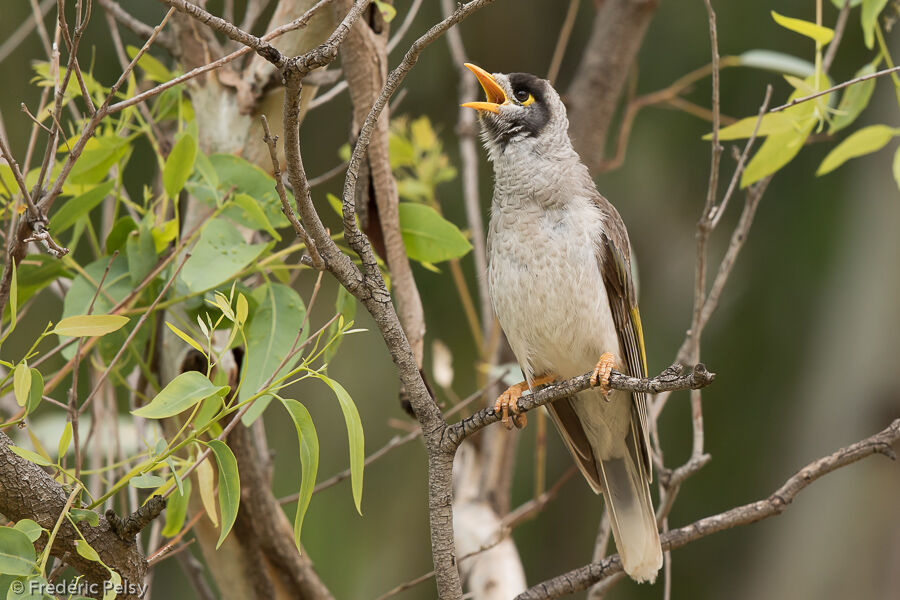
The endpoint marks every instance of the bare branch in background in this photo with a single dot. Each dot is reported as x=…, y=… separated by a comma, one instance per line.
x=775, y=504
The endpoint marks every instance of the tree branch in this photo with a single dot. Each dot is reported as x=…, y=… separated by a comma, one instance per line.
x=671, y=379
x=775, y=504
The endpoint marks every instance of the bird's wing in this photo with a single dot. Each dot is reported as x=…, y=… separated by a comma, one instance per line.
x=615, y=266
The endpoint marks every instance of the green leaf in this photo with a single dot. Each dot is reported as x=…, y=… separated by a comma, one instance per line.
x=782, y=146
x=859, y=143
x=99, y=155
x=22, y=383
x=36, y=394
x=855, y=99
x=355, y=434
x=388, y=12
x=840, y=3
x=147, y=481
x=64, y=440
x=183, y=392
x=90, y=325
x=220, y=254
x=114, y=583
x=176, y=510
x=778, y=62
x=153, y=68
x=771, y=123
x=30, y=456
x=194, y=344
x=429, y=237
x=29, y=528
x=344, y=305
x=309, y=459
x=869, y=19
x=253, y=216
x=270, y=335
x=244, y=177
x=82, y=514
x=75, y=208
x=229, y=487
x=179, y=484
x=118, y=235
x=16, y=552
x=140, y=251
x=820, y=34
x=13, y=296
x=85, y=551
x=207, y=485
x=179, y=164
x=896, y=166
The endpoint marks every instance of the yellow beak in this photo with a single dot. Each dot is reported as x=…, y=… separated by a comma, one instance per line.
x=495, y=94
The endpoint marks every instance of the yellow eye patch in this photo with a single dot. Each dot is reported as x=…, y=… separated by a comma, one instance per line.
x=528, y=100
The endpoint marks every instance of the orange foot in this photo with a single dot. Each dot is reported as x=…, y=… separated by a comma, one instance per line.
x=600, y=376
x=508, y=401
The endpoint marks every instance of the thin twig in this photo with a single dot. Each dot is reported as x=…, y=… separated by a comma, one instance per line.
x=775, y=504
x=837, y=87
x=562, y=41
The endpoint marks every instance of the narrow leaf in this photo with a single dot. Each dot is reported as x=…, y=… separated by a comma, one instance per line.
x=37, y=391
x=180, y=394
x=31, y=456
x=777, y=61
x=771, y=123
x=229, y=487
x=855, y=98
x=896, y=166
x=309, y=459
x=869, y=19
x=176, y=510
x=85, y=551
x=254, y=215
x=147, y=481
x=22, y=383
x=90, y=325
x=355, y=434
x=13, y=297
x=64, y=440
x=179, y=165
x=859, y=143
x=820, y=34
x=77, y=207
x=207, y=484
x=194, y=344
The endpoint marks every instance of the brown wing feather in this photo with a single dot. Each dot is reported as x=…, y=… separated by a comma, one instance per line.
x=569, y=426
x=615, y=266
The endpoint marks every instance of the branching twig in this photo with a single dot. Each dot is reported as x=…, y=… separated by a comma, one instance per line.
x=775, y=504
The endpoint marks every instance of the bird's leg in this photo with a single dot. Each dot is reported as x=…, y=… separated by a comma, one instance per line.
x=600, y=376
x=509, y=401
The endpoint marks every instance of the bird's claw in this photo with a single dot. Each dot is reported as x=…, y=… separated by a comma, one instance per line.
x=508, y=402
x=600, y=376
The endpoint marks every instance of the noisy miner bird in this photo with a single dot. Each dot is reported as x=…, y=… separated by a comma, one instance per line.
x=560, y=281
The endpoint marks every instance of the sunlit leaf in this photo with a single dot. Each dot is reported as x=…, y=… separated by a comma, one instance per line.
x=229, y=487
x=356, y=438
x=309, y=459
x=22, y=383
x=859, y=143
x=196, y=345
x=86, y=551
x=153, y=68
x=183, y=392
x=820, y=34
x=429, y=237
x=770, y=123
x=207, y=483
x=64, y=440
x=90, y=325
x=31, y=457
x=869, y=19
x=239, y=176
x=253, y=215
x=388, y=12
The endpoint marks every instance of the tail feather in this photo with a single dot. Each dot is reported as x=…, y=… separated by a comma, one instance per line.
x=627, y=492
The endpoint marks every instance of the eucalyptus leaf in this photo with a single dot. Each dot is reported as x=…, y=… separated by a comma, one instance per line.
x=356, y=438
x=820, y=34
x=176, y=510
x=309, y=459
x=429, y=237
x=73, y=209
x=29, y=528
x=854, y=99
x=179, y=164
x=16, y=552
x=869, y=19
x=183, y=392
x=220, y=254
x=229, y=487
x=147, y=481
x=859, y=143
x=90, y=325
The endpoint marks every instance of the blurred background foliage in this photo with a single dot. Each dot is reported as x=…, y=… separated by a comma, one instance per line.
x=804, y=342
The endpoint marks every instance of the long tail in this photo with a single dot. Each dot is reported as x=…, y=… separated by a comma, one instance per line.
x=627, y=491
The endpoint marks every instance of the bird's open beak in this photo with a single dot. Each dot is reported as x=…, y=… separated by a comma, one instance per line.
x=495, y=94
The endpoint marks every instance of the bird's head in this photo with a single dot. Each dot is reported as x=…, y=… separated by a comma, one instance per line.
x=520, y=109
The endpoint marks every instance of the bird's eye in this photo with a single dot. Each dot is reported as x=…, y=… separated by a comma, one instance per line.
x=524, y=97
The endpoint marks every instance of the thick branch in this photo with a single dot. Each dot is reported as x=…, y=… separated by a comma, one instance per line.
x=671, y=379
x=28, y=492
x=775, y=504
